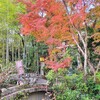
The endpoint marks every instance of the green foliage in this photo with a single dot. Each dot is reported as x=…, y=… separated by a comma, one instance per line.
x=98, y=77
x=34, y=50
x=50, y=75
x=73, y=86
x=90, y=30
x=9, y=12
x=21, y=96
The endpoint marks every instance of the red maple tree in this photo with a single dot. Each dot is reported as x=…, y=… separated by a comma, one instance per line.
x=56, y=21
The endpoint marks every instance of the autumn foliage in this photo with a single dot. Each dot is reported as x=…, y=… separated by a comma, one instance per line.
x=57, y=21
x=47, y=21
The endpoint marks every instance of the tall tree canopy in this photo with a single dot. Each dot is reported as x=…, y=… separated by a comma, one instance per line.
x=56, y=21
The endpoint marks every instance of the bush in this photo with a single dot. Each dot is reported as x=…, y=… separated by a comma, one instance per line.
x=72, y=86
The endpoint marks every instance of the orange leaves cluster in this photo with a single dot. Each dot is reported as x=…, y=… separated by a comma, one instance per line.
x=96, y=38
x=49, y=22
x=45, y=18
x=56, y=65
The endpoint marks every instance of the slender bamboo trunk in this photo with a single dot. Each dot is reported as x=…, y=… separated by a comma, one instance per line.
x=12, y=53
x=24, y=50
x=19, y=52
x=3, y=52
x=7, y=49
x=15, y=54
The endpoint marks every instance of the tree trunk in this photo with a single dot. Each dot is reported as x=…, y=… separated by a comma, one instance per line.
x=85, y=61
x=3, y=52
x=12, y=53
x=7, y=49
x=79, y=62
x=24, y=48
x=91, y=66
x=15, y=51
x=19, y=52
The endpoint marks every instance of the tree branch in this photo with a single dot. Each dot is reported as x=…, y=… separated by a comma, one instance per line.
x=98, y=66
x=94, y=23
x=91, y=67
x=65, y=5
x=81, y=38
x=77, y=44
